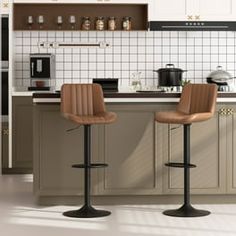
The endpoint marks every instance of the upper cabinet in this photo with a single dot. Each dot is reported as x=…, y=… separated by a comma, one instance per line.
x=4, y=7
x=170, y=10
x=216, y=10
x=85, y=1
x=193, y=10
x=27, y=14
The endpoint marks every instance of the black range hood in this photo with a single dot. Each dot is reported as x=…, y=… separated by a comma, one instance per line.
x=192, y=25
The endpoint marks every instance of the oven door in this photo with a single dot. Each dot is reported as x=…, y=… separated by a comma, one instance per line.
x=4, y=42
x=4, y=98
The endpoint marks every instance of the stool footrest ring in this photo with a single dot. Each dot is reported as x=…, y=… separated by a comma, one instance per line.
x=180, y=165
x=95, y=165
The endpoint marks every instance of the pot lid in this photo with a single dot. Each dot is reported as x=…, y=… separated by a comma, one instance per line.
x=219, y=75
x=169, y=68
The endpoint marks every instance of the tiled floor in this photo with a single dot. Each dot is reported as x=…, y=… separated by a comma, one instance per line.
x=20, y=216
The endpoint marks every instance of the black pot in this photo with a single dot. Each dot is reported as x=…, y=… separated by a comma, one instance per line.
x=170, y=76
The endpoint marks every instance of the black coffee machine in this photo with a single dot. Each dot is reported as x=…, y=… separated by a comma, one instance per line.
x=42, y=72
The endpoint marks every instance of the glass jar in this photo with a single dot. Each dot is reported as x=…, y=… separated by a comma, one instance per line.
x=86, y=23
x=100, y=23
x=136, y=81
x=111, y=23
x=126, y=23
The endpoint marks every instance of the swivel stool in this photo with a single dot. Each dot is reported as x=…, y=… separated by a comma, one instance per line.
x=197, y=103
x=84, y=105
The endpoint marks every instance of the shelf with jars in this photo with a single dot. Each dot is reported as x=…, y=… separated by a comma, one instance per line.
x=81, y=17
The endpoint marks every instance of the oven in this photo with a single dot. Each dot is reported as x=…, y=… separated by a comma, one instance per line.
x=4, y=98
x=4, y=64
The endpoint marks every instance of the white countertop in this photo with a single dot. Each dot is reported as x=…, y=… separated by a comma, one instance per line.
x=132, y=100
x=113, y=100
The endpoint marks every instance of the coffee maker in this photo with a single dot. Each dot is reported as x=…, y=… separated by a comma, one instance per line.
x=42, y=72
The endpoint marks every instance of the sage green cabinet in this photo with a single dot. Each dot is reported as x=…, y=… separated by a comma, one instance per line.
x=56, y=150
x=230, y=113
x=135, y=148
x=22, y=132
x=208, y=152
x=128, y=146
x=5, y=141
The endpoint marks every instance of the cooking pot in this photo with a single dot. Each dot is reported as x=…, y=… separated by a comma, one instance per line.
x=220, y=77
x=170, y=76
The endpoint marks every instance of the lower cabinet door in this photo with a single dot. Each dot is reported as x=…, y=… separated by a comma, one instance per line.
x=128, y=146
x=231, y=150
x=56, y=150
x=5, y=137
x=208, y=152
x=22, y=136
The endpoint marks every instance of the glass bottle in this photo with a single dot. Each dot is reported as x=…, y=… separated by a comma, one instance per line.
x=126, y=23
x=100, y=23
x=111, y=23
x=86, y=23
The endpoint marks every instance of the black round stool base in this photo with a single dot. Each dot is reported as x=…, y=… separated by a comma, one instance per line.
x=86, y=212
x=186, y=211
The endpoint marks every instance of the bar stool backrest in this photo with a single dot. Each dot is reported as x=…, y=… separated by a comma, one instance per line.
x=198, y=98
x=82, y=99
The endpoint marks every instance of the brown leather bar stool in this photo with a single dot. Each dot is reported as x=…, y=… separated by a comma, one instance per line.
x=197, y=103
x=84, y=105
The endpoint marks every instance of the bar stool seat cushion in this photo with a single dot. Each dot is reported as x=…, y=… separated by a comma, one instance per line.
x=176, y=117
x=102, y=118
x=197, y=103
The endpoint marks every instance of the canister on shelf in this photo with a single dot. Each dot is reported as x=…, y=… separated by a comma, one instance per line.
x=100, y=23
x=86, y=23
x=126, y=23
x=111, y=23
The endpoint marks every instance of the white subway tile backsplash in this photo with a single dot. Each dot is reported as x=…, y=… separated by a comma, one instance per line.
x=19, y=41
x=230, y=58
x=222, y=34
x=222, y=50
x=109, y=66
x=125, y=50
x=68, y=74
x=26, y=74
x=100, y=74
x=149, y=58
x=67, y=58
x=59, y=74
x=68, y=66
x=183, y=50
x=214, y=41
x=231, y=66
x=92, y=74
x=174, y=41
x=59, y=66
x=214, y=49
x=206, y=58
x=198, y=58
x=190, y=58
x=125, y=58
x=109, y=74
x=198, y=52
x=26, y=82
x=60, y=58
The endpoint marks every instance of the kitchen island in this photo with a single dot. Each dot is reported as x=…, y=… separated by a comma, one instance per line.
x=135, y=148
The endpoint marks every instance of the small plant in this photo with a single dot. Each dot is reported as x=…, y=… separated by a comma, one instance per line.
x=184, y=82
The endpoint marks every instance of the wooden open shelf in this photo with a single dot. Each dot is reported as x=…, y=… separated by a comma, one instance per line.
x=137, y=12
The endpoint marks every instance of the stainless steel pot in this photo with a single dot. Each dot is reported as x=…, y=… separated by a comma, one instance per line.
x=219, y=77
x=169, y=76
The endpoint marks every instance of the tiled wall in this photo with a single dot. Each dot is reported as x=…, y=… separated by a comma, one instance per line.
x=197, y=52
